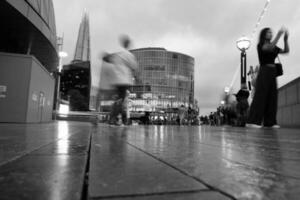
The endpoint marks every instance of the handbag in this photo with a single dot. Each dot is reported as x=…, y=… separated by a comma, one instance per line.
x=279, y=69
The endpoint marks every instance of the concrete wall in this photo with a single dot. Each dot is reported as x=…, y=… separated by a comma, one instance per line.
x=42, y=86
x=14, y=74
x=289, y=104
x=26, y=79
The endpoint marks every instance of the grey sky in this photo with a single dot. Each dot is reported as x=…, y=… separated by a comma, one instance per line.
x=204, y=29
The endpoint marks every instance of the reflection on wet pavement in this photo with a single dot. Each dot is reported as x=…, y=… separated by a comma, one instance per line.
x=43, y=161
x=248, y=164
x=52, y=161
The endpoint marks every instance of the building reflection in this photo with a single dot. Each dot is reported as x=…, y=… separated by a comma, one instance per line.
x=63, y=143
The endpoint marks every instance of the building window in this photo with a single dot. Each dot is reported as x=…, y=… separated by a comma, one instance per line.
x=155, y=68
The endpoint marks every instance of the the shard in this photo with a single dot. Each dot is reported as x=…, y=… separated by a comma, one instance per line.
x=76, y=77
x=82, y=51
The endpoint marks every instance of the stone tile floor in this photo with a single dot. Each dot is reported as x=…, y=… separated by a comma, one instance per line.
x=73, y=160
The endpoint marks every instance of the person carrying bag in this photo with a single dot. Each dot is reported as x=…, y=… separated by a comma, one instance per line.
x=263, y=109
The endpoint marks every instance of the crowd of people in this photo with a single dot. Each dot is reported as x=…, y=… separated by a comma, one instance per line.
x=179, y=116
x=223, y=116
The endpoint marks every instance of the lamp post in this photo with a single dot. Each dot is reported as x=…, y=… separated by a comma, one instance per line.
x=243, y=44
x=226, y=95
x=227, y=90
x=223, y=103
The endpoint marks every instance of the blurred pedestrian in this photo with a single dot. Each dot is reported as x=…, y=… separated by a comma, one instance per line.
x=264, y=106
x=148, y=110
x=127, y=105
x=124, y=64
x=181, y=114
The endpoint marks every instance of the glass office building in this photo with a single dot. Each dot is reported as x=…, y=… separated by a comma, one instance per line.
x=164, y=78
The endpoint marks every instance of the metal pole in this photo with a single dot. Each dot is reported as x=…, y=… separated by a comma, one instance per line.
x=58, y=91
x=60, y=42
x=243, y=70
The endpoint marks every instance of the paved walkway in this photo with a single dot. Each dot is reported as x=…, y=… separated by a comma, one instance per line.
x=72, y=160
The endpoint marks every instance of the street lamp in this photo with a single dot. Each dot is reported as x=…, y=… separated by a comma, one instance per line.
x=227, y=90
x=243, y=44
x=61, y=55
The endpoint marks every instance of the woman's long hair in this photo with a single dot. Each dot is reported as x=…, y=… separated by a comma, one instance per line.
x=262, y=37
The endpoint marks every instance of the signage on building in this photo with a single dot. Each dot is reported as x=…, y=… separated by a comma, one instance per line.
x=147, y=96
x=132, y=95
x=34, y=97
x=3, y=90
x=106, y=103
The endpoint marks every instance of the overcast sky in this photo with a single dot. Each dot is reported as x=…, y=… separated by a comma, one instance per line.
x=204, y=29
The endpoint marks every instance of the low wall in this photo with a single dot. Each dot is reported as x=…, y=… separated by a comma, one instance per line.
x=26, y=90
x=289, y=104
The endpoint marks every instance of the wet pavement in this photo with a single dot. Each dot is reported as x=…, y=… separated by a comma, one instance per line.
x=43, y=161
x=73, y=160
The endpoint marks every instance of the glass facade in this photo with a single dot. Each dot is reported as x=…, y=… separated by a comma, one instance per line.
x=164, y=78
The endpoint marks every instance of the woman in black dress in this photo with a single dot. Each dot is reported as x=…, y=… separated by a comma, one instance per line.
x=263, y=109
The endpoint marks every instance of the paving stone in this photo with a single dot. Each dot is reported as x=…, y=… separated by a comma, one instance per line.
x=43, y=177
x=233, y=160
x=65, y=147
x=19, y=139
x=119, y=169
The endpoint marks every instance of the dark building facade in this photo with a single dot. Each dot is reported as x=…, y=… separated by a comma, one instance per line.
x=75, y=86
x=28, y=27
x=28, y=56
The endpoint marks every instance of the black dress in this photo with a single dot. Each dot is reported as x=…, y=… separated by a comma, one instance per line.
x=263, y=109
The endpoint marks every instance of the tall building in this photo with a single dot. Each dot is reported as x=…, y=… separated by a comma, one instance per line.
x=76, y=77
x=28, y=55
x=164, y=78
x=82, y=50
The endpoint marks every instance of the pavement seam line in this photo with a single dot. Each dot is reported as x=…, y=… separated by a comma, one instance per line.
x=153, y=194
x=25, y=154
x=33, y=150
x=85, y=186
x=184, y=172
